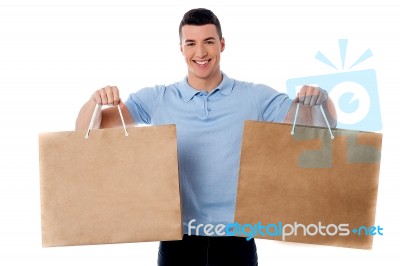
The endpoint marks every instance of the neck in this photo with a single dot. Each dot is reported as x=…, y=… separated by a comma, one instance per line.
x=208, y=84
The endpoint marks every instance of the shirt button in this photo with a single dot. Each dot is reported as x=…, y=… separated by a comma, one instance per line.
x=203, y=93
x=209, y=109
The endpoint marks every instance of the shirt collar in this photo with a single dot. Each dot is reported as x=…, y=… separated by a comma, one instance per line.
x=187, y=92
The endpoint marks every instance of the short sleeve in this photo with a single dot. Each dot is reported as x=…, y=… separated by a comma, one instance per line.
x=273, y=105
x=141, y=104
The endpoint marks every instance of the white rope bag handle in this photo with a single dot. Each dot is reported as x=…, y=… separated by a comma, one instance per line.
x=94, y=117
x=323, y=114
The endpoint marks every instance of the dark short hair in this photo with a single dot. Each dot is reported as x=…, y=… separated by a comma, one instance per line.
x=200, y=17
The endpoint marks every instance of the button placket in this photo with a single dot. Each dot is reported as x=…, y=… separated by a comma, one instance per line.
x=206, y=102
x=204, y=97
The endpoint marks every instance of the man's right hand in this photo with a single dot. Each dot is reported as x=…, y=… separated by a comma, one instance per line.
x=108, y=117
x=108, y=95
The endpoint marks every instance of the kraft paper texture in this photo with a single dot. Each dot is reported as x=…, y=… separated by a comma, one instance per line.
x=309, y=178
x=109, y=188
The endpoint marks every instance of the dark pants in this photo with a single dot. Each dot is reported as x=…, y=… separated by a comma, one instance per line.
x=208, y=251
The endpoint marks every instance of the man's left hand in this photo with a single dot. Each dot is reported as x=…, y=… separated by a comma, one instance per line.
x=311, y=96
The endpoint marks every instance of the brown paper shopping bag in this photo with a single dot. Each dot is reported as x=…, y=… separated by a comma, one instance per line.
x=108, y=187
x=308, y=187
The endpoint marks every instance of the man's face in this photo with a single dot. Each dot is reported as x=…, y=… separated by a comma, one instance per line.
x=201, y=47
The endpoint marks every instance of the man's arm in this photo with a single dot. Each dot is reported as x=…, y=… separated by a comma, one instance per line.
x=310, y=98
x=106, y=118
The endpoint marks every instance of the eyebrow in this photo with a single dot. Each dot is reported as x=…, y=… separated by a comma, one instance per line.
x=207, y=39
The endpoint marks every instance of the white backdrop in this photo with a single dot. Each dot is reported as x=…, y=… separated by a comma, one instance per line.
x=54, y=54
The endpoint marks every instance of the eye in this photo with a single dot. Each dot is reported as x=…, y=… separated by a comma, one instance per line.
x=190, y=44
x=209, y=42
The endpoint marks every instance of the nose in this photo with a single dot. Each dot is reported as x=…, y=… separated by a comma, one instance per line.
x=201, y=51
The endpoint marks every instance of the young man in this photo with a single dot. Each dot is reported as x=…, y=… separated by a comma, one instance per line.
x=208, y=109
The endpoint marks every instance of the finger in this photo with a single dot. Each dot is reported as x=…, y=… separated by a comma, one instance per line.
x=301, y=95
x=103, y=96
x=319, y=100
x=96, y=97
x=311, y=95
x=304, y=94
x=313, y=99
x=307, y=100
x=322, y=97
x=115, y=94
x=109, y=97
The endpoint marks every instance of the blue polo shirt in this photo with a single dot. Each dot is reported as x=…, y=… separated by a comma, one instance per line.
x=209, y=136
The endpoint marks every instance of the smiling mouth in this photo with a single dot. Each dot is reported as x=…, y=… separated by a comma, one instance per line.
x=202, y=62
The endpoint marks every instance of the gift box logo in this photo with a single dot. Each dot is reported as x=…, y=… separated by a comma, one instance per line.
x=354, y=93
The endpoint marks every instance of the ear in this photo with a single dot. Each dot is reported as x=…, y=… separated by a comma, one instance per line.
x=181, y=47
x=222, y=44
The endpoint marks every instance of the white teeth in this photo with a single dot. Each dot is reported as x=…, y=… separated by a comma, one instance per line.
x=201, y=62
